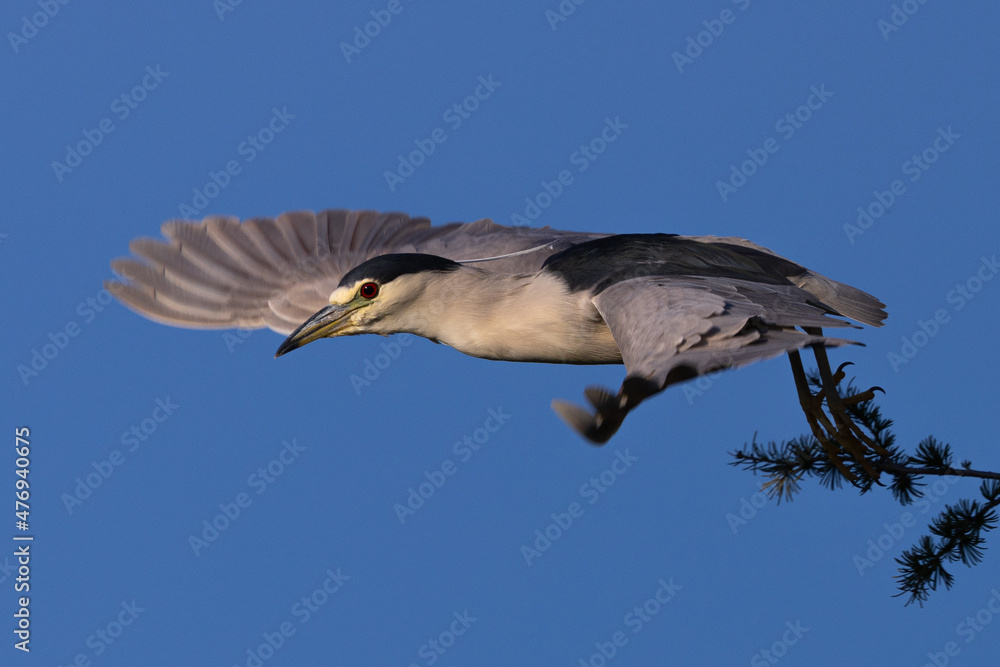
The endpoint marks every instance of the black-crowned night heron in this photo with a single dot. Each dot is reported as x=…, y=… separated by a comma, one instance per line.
x=669, y=307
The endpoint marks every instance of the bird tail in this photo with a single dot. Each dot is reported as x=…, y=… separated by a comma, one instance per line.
x=843, y=299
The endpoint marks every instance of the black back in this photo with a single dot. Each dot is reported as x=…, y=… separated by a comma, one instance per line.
x=595, y=265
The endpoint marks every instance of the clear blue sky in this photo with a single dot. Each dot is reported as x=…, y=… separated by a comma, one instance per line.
x=838, y=112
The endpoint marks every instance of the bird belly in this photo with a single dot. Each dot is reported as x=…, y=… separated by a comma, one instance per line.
x=590, y=343
x=523, y=318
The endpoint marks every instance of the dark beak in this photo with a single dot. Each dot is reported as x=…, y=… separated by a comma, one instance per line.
x=328, y=322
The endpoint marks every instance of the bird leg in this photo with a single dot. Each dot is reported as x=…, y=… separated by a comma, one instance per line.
x=838, y=404
x=842, y=433
x=812, y=407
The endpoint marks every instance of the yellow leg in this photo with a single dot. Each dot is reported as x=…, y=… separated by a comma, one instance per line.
x=840, y=434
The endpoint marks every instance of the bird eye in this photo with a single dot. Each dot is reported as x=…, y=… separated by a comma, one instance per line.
x=369, y=290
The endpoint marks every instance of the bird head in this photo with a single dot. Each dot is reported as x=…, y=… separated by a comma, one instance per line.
x=378, y=296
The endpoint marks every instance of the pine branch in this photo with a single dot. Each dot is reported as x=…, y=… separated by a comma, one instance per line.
x=895, y=469
x=959, y=528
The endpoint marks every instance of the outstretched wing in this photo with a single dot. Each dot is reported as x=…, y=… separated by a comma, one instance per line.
x=671, y=329
x=276, y=272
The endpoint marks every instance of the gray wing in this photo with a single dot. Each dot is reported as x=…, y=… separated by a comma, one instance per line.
x=674, y=329
x=671, y=329
x=276, y=272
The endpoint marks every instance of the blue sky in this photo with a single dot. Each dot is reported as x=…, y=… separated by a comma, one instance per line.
x=806, y=112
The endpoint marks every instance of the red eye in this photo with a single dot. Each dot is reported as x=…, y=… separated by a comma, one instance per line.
x=369, y=290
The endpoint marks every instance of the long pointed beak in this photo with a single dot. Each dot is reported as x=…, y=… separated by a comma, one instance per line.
x=326, y=322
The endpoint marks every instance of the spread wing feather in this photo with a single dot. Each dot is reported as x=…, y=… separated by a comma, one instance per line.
x=275, y=272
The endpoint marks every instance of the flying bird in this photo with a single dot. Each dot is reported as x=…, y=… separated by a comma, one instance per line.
x=668, y=307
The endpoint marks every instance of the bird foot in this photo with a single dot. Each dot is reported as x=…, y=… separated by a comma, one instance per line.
x=838, y=432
